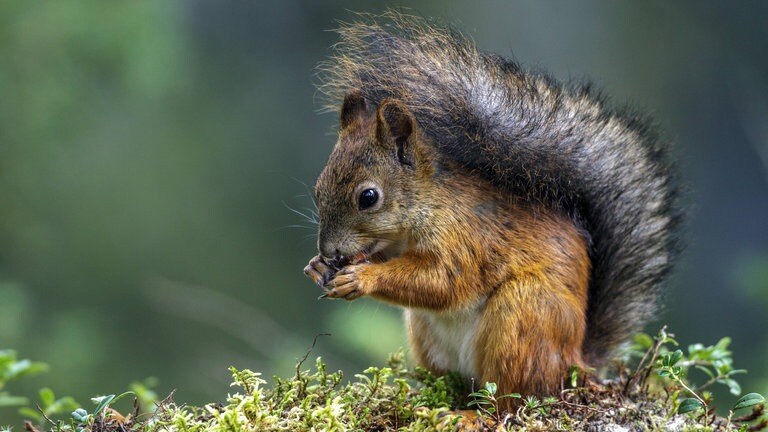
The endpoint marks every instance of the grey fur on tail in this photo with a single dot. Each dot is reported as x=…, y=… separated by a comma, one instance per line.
x=554, y=144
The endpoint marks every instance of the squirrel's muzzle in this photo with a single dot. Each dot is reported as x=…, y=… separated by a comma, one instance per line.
x=326, y=246
x=328, y=251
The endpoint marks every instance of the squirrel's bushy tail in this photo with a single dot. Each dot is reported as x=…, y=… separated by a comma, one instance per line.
x=552, y=144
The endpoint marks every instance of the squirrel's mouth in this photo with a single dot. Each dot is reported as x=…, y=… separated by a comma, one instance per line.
x=371, y=253
x=376, y=252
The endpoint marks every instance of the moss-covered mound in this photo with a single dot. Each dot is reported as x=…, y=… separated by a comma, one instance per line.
x=654, y=394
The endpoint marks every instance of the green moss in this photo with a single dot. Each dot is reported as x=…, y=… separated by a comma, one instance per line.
x=655, y=393
x=380, y=398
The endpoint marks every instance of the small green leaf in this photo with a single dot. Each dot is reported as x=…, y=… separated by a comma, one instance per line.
x=47, y=397
x=675, y=357
x=102, y=402
x=6, y=400
x=748, y=400
x=688, y=405
x=722, y=367
x=24, y=367
x=491, y=387
x=122, y=395
x=80, y=415
x=63, y=405
x=643, y=340
x=695, y=349
x=723, y=343
x=30, y=413
x=574, y=371
x=733, y=386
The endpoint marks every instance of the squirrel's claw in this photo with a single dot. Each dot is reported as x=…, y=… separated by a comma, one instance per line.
x=319, y=271
x=353, y=295
x=345, y=284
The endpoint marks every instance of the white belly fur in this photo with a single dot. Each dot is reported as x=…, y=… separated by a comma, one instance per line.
x=451, y=337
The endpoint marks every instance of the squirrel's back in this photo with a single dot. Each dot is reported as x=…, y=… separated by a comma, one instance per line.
x=535, y=138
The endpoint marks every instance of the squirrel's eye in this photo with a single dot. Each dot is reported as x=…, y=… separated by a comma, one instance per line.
x=368, y=198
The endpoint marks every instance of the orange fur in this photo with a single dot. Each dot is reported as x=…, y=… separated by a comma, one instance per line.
x=531, y=264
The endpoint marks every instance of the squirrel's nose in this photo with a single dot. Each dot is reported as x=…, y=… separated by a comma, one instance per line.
x=325, y=244
x=328, y=250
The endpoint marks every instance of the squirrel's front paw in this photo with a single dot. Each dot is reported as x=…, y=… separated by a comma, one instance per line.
x=346, y=284
x=319, y=271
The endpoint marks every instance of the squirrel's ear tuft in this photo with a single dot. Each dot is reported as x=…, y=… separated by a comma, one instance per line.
x=352, y=108
x=394, y=123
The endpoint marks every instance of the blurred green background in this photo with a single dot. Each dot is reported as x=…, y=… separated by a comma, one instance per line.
x=150, y=151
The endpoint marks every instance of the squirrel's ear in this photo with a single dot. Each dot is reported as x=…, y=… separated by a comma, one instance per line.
x=394, y=123
x=352, y=108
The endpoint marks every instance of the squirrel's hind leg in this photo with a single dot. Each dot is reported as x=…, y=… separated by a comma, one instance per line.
x=528, y=337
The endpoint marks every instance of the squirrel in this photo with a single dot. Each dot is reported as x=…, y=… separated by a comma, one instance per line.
x=524, y=226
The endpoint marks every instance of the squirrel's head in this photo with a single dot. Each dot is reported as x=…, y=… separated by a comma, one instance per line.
x=366, y=193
